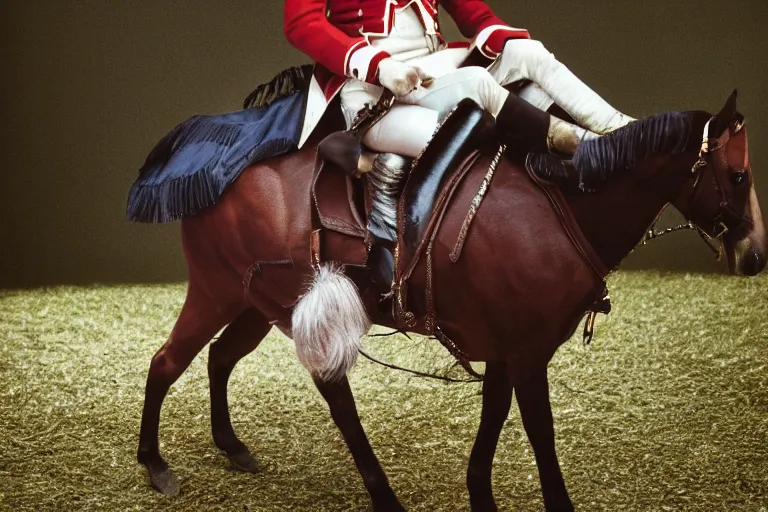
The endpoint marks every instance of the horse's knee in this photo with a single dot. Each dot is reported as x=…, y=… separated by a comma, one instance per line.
x=478, y=476
x=162, y=367
x=215, y=357
x=221, y=359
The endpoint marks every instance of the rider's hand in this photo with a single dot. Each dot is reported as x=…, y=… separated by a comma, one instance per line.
x=401, y=78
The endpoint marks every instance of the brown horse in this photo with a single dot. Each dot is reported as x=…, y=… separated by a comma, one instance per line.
x=514, y=294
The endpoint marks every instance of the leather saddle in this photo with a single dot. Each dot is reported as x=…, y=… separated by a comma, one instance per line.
x=342, y=227
x=342, y=205
x=345, y=232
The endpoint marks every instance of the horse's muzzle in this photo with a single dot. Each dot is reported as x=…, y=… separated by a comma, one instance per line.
x=746, y=256
x=751, y=263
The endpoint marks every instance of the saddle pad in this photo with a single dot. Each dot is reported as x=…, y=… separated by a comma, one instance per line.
x=190, y=168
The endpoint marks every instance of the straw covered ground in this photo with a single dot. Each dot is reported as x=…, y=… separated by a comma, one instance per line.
x=667, y=411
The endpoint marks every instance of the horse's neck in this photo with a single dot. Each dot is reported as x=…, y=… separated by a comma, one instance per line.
x=616, y=218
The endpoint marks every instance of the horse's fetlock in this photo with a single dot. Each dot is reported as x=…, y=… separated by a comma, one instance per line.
x=151, y=458
x=229, y=444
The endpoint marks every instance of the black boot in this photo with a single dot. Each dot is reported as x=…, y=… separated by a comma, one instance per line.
x=527, y=125
x=466, y=128
x=381, y=263
x=532, y=129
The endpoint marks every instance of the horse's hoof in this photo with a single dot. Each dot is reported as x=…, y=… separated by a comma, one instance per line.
x=164, y=481
x=243, y=461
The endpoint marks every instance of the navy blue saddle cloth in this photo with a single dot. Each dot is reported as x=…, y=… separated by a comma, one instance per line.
x=190, y=168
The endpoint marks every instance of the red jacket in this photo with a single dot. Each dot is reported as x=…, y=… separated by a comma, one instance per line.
x=337, y=33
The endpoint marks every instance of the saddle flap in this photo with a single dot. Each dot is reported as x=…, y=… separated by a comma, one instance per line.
x=344, y=235
x=334, y=196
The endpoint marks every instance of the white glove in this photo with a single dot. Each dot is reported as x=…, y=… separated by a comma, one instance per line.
x=401, y=78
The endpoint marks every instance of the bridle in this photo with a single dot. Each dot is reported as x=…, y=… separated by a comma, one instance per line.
x=727, y=218
x=712, y=151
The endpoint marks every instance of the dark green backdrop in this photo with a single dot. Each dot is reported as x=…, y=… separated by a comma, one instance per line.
x=89, y=87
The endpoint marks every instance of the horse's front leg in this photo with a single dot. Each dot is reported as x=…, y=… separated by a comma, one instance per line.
x=344, y=413
x=532, y=390
x=497, y=398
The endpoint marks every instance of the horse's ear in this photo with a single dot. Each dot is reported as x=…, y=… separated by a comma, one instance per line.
x=724, y=118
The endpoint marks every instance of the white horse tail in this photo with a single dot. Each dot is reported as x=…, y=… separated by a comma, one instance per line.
x=328, y=323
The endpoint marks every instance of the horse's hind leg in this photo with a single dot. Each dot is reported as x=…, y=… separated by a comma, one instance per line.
x=200, y=319
x=239, y=339
x=532, y=391
x=497, y=399
x=342, y=404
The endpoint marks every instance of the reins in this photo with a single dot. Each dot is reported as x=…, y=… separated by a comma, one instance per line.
x=652, y=234
x=418, y=373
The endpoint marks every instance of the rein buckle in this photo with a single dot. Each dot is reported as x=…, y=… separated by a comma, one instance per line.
x=701, y=162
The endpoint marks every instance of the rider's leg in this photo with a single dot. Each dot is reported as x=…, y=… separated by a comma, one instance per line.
x=536, y=96
x=441, y=62
x=405, y=130
x=516, y=117
x=449, y=60
x=529, y=59
x=562, y=135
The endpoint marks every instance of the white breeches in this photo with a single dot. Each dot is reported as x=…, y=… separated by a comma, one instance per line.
x=409, y=126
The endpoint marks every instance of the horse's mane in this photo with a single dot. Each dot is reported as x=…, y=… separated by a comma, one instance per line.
x=288, y=81
x=665, y=133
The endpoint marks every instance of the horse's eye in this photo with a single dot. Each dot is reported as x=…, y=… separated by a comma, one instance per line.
x=739, y=177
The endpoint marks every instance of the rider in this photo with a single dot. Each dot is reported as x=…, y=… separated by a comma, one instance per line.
x=364, y=46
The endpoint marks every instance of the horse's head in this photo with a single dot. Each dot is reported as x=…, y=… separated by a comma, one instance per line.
x=721, y=198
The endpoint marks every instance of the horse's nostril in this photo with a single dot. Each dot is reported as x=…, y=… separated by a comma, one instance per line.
x=752, y=263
